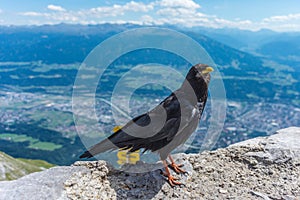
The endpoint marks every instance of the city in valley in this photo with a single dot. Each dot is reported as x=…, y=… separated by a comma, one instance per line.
x=22, y=112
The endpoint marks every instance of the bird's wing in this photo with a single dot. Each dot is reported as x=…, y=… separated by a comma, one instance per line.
x=180, y=115
x=150, y=126
x=119, y=139
x=150, y=138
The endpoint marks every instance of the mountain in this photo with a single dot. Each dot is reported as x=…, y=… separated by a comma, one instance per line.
x=282, y=47
x=61, y=43
x=65, y=43
x=70, y=44
x=237, y=38
x=14, y=168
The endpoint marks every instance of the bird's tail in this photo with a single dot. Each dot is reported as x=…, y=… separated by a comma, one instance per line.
x=103, y=146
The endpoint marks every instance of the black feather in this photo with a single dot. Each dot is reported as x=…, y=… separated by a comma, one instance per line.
x=86, y=154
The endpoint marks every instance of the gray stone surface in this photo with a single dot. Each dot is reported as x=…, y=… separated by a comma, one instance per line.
x=48, y=184
x=261, y=168
x=278, y=148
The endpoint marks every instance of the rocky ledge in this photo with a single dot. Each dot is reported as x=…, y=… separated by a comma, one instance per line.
x=260, y=168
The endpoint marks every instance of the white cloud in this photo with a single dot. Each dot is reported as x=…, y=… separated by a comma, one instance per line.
x=236, y=24
x=282, y=18
x=1, y=11
x=53, y=17
x=290, y=22
x=147, y=20
x=32, y=14
x=56, y=8
x=175, y=12
x=64, y=17
x=179, y=3
x=190, y=18
x=138, y=7
x=186, y=13
x=92, y=15
x=179, y=12
x=117, y=10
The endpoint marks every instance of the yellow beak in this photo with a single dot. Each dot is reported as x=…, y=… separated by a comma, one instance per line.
x=207, y=70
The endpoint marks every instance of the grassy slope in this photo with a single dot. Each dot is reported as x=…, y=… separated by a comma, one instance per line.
x=13, y=168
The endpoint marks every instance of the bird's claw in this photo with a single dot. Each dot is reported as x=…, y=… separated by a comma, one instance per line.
x=177, y=168
x=172, y=180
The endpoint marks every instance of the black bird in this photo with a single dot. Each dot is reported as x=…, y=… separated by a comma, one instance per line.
x=166, y=126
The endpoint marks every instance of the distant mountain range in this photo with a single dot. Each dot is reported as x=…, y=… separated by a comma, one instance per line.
x=65, y=44
x=284, y=47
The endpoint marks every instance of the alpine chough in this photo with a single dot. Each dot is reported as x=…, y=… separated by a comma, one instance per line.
x=166, y=126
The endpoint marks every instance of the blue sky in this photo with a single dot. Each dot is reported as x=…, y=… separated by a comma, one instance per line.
x=278, y=15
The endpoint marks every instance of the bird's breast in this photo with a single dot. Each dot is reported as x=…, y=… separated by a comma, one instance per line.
x=195, y=112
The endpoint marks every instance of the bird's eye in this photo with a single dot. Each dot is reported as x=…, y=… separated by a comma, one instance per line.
x=198, y=75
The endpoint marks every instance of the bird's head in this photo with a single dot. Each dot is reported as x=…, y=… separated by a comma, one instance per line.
x=199, y=72
x=198, y=78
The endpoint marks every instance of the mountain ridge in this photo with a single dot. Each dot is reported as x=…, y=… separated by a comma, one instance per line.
x=14, y=168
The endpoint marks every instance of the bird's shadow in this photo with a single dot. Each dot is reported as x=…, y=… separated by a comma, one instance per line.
x=139, y=181
x=143, y=180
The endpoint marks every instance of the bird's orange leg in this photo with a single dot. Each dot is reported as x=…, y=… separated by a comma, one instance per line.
x=171, y=179
x=177, y=168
